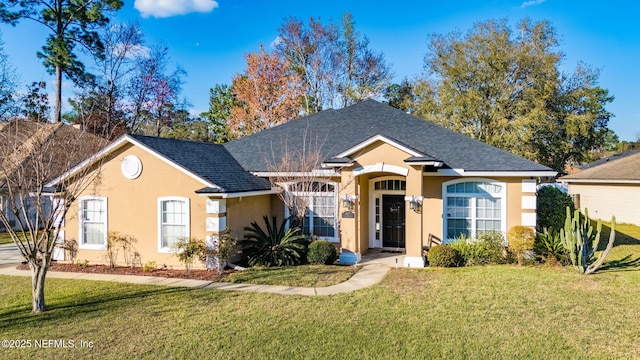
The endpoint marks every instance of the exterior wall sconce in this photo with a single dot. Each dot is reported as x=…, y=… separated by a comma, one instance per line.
x=415, y=203
x=348, y=202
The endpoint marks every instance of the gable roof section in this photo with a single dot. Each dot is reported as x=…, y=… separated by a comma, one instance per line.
x=338, y=132
x=208, y=163
x=608, y=159
x=622, y=170
x=23, y=141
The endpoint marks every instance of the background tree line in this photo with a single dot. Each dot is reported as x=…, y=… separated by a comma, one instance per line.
x=499, y=83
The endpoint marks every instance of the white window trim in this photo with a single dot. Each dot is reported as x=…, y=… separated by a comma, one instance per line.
x=445, y=195
x=81, y=244
x=336, y=237
x=168, y=249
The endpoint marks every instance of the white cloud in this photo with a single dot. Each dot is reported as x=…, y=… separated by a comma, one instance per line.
x=168, y=8
x=531, y=3
x=276, y=42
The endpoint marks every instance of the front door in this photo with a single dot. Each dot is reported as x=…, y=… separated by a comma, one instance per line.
x=393, y=216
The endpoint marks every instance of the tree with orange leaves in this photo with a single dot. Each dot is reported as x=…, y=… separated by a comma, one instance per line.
x=268, y=94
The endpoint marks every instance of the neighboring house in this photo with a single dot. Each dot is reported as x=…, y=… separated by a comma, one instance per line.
x=23, y=145
x=609, y=187
x=386, y=180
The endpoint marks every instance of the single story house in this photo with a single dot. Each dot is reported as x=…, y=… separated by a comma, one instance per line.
x=384, y=179
x=609, y=187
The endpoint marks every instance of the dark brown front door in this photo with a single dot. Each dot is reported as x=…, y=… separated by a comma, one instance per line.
x=393, y=216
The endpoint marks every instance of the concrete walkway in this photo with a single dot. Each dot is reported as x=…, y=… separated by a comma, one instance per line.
x=371, y=273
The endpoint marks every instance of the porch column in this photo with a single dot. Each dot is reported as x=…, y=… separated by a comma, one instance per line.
x=348, y=219
x=414, y=221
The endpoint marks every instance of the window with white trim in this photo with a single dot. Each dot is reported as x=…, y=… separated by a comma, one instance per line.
x=471, y=207
x=321, y=215
x=93, y=222
x=173, y=221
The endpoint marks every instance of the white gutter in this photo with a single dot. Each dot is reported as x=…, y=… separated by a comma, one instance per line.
x=600, y=181
x=242, y=194
x=463, y=173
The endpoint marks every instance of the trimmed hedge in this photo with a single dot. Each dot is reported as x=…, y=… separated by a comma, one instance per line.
x=444, y=256
x=322, y=252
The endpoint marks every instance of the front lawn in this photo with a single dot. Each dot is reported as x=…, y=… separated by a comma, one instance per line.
x=303, y=276
x=490, y=312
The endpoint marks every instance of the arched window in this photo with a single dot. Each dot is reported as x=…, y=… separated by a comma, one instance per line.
x=473, y=206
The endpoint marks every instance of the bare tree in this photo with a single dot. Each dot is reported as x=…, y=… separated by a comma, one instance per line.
x=31, y=156
x=9, y=81
x=297, y=169
x=102, y=107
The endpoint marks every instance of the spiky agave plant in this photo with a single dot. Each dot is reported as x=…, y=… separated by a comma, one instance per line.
x=273, y=246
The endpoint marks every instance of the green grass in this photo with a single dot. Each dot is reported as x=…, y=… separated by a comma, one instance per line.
x=304, y=276
x=5, y=238
x=491, y=312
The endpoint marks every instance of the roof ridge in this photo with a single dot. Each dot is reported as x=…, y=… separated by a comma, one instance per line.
x=174, y=139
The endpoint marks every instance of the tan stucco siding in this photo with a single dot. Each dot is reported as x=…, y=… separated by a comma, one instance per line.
x=241, y=212
x=132, y=205
x=381, y=152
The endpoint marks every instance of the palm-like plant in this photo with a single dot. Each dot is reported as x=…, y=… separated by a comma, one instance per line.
x=274, y=246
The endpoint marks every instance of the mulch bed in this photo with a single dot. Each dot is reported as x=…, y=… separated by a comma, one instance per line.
x=210, y=275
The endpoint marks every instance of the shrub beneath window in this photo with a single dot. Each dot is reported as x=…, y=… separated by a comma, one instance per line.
x=551, y=205
x=488, y=248
x=521, y=239
x=444, y=256
x=322, y=252
x=275, y=245
x=187, y=250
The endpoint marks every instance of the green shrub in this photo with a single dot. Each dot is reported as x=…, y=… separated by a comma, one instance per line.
x=275, y=246
x=488, y=248
x=521, y=240
x=149, y=266
x=444, y=256
x=322, y=252
x=189, y=249
x=225, y=249
x=551, y=205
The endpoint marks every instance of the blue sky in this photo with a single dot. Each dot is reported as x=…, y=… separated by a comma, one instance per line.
x=208, y=38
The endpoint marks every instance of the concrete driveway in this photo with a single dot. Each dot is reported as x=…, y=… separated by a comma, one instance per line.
x=9, y=254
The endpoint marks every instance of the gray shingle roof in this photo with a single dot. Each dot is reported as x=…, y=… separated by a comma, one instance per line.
x=335, y=131
x=210, y=162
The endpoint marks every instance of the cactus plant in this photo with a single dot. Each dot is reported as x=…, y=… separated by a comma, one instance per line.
x=581, y=242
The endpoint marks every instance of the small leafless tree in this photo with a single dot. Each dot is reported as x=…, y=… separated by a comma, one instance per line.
x=297, y=168
x=31, y=156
